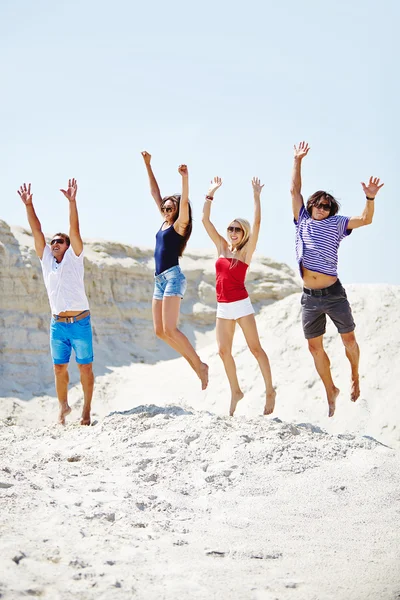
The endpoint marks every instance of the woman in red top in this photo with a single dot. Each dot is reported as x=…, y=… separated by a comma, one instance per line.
x=234, y=256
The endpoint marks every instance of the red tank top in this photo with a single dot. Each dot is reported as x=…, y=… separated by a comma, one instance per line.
x=230, y=280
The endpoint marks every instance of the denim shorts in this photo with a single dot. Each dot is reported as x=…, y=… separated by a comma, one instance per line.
x=65, y=336
x=171, y=282
x=334, y=304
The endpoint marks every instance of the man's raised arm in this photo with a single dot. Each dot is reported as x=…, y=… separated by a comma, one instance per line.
x=370, y=191
x=74, y=233
x=26, y=196
x=295, y=188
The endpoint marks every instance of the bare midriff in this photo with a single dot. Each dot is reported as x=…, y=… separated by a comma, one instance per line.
x=317, y=281
x=70, y=313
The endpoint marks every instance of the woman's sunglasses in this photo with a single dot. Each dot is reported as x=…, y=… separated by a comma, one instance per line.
x=235, y=229
x=168, y=209
x=57, y=241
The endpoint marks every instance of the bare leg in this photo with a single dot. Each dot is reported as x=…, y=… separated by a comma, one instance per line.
x=323, y=366
x=62, y=379
x=170, y=307
x=249, y=328
x=87, y=381
x=353, y=354
x=225, y=331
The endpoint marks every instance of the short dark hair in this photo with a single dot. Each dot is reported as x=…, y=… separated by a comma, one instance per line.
x=321, y=195
x=65, y=236
x=176, y=199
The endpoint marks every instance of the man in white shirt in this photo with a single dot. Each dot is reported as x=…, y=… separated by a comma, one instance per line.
x=63, y=272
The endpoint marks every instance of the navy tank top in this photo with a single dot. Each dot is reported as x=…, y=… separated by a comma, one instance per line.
x=168, y=247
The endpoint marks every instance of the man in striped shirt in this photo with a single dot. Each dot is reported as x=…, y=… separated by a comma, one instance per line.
x=319, y=231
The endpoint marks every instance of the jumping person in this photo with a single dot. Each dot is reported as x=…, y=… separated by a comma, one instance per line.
x=319, y=231
x=233, y=302
x=62, y=267
x=170, y=282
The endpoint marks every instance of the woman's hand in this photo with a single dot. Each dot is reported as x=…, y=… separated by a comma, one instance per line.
x=301, y=151
x=215, y=184
x=183, y=170
x=372, y=188
x=257, y=187
x=146, y=157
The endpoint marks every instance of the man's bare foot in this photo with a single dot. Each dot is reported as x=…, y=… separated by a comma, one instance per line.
x=270, y=403
x=234, y=402
x=332, y=401
x=85, y=419
x=65, y=409
x=355, y=389
x=203, y=375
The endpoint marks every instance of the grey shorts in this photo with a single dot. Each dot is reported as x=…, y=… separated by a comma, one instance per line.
x=331, y=301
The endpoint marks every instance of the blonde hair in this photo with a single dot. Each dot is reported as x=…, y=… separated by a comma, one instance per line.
x=245, y=225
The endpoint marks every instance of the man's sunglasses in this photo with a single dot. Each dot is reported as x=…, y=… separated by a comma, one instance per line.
x=168, y=209
x=235, y=229
x=57, y=241
x=323, y=206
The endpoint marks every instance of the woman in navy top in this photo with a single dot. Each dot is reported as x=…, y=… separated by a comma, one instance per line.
x=170, y=282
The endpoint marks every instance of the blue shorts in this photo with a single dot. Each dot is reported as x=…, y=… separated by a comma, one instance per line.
x=171, y=282
x=65, y=336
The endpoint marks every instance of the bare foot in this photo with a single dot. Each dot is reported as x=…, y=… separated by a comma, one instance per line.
x=65, y=409
x=85, y=419
x=270, y=403
x=332, y=401
x=204, y=375
x=234, y=402
x=355, y=389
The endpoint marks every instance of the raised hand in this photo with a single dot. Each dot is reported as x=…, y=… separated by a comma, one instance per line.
x=215, y=184
x=257, y=187
x=25, y=194
x=146, y=157
x=372, y=188
x=302, y=150
x=183, y=170
x=70, y=193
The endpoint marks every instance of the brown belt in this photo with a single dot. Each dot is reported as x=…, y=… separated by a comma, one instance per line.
x=81, y=315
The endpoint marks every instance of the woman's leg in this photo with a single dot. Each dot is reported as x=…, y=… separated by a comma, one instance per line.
x=176, y=339
x=159, y=329
x=225, y=331
x=249, y=328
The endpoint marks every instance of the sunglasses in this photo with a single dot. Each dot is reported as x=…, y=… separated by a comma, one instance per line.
x=235, y=229
x=323, y=206
x=168, y=209
x=57, y=241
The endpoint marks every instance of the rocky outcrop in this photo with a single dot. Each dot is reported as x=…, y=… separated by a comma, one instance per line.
x=119, y=285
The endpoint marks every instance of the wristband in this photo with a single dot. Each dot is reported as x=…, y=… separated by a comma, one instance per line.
x=209, y=198
x=367, y=197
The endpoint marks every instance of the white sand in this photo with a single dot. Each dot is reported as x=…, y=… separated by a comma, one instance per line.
x=173, y=499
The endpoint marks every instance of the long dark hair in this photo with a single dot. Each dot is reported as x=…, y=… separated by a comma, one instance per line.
x=316, y=198
x=176, y=199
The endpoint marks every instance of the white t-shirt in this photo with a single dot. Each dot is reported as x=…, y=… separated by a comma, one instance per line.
x=64, y=281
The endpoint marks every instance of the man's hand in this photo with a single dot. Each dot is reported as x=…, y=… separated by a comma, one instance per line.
x=70, y=193
x=146, y=157
x=257, y=187
x=301, y=151
x=25, y=194
x=215, y=184
x=183, y=170
x=372, y=188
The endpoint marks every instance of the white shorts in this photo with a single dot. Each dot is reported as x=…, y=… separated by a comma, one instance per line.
x=234, y=310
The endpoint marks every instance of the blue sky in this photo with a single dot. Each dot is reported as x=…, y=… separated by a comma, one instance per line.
x=225, y=88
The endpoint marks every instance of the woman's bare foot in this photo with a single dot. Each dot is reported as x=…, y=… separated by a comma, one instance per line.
x=332, y=401
x=236, y=397
x=85, y=419
x=270, y=402
x=203, y=375
x=65, y=409
x=355, y=389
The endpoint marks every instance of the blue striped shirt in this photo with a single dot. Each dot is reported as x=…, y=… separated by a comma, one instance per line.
x=317, y=242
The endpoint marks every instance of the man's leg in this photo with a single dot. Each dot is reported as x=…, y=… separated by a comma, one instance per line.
x=62, y=379
x=87, y=381
x=353, y=354
x=323, y=366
